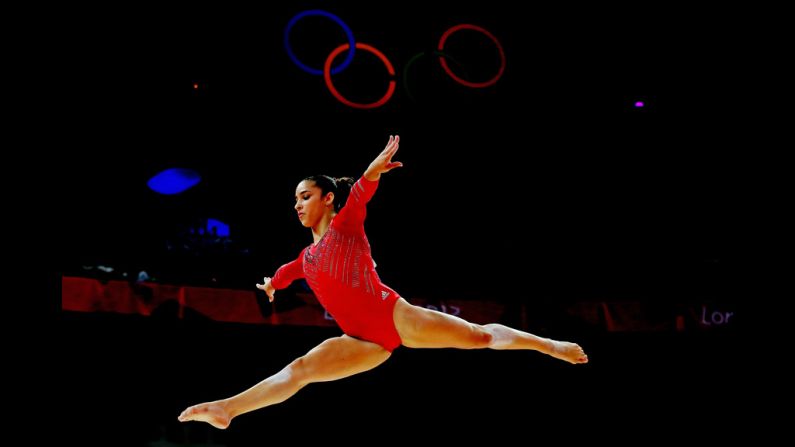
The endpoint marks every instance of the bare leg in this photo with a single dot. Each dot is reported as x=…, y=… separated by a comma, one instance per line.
x=419, y=327
x=333, y=359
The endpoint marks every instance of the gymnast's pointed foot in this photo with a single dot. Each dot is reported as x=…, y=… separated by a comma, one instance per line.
x=214, y=413
x=569, y=352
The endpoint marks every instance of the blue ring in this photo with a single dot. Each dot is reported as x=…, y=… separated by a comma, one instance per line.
x=318, y=12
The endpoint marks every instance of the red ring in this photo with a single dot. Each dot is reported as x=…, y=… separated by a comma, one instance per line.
x=453, y=75
x=359, y=46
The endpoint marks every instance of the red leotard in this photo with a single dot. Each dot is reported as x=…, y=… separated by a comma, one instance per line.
x=341, y=272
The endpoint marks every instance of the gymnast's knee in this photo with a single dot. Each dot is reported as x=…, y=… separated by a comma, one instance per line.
x=481, y=338
x=297, y=371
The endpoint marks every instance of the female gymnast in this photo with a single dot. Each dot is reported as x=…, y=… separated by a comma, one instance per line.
x=375, y=320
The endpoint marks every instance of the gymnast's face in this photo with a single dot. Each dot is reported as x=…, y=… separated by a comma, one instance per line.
x=311, y=204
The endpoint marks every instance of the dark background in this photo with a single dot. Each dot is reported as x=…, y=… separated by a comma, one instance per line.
x=553, y=164
x=548, y=185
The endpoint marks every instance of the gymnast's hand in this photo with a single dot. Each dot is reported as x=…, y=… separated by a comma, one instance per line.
x=268, y=288
x=383, y=162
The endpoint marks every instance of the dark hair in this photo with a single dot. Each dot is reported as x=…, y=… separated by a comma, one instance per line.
x=341, y=187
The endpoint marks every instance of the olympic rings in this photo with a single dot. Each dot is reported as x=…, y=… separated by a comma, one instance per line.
x=352, y=46
x=442, y=60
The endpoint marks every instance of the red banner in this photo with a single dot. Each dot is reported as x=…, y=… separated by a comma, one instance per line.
x=244, y=306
